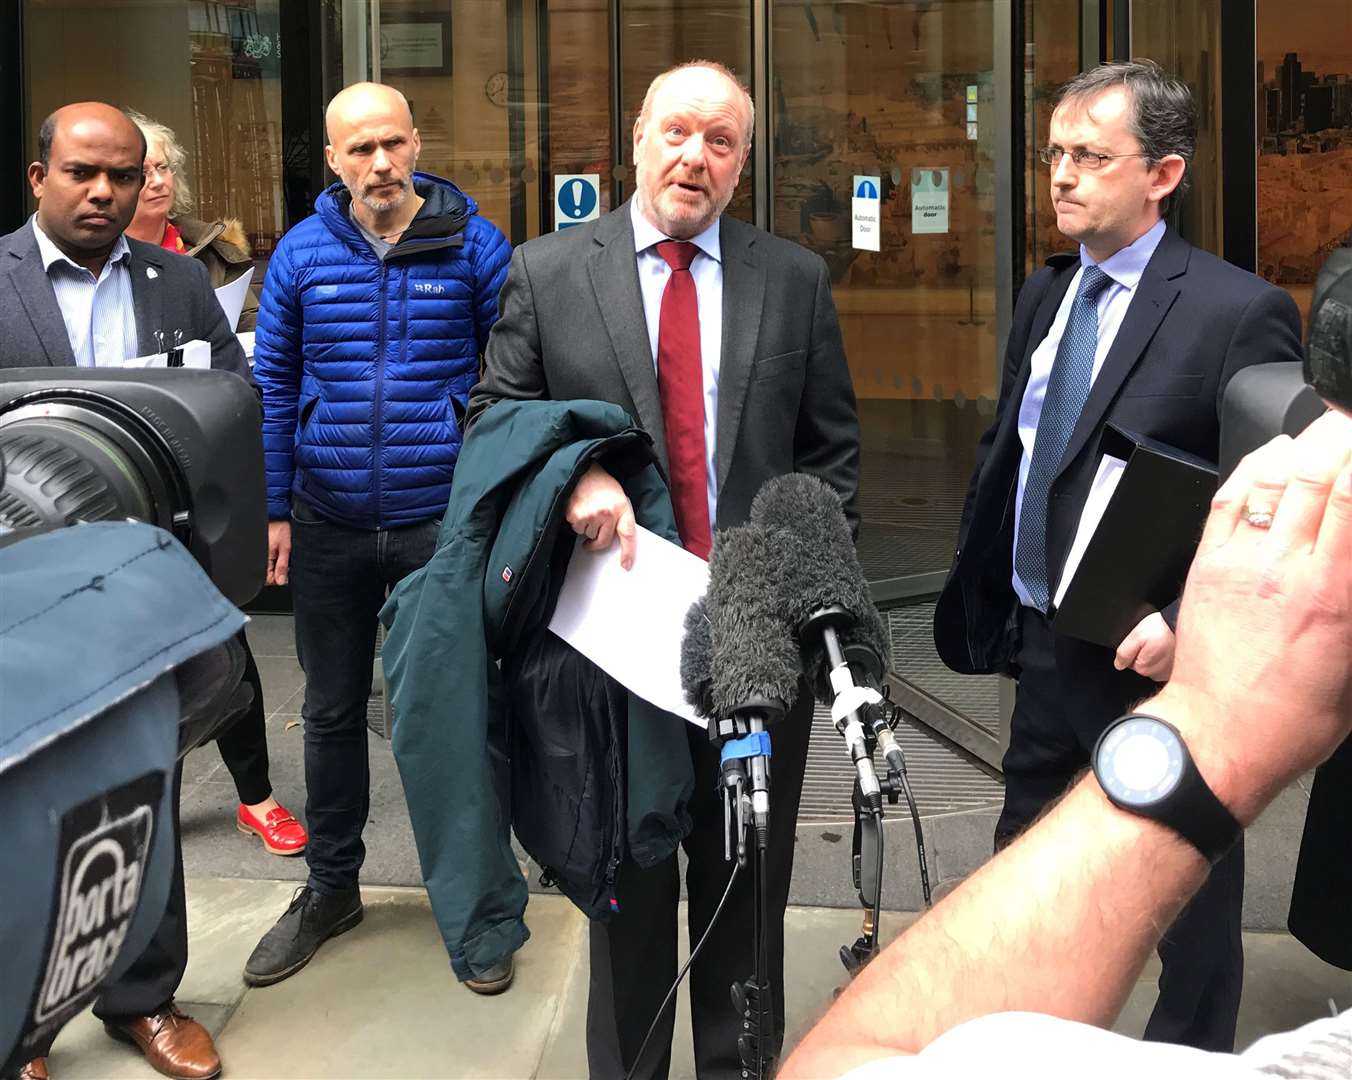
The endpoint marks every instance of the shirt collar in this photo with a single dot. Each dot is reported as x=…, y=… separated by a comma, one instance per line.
x=1126, y=266
x=51, y=254
x=646, y=234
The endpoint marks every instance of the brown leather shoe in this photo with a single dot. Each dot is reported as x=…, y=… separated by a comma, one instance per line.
x=34, y=1070
x=173, y=1043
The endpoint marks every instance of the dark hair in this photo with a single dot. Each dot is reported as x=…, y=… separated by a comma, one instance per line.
x=1163, y=113
x=47, y=133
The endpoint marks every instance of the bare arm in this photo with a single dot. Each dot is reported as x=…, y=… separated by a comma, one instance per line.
x=1063, y=920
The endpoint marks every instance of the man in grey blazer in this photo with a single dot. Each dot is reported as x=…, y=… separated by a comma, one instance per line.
x=595, y=311
x=75, y=291
x=135, y=298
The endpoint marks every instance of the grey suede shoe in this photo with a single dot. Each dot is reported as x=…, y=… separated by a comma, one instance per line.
x=495, y=980
x=310, y=920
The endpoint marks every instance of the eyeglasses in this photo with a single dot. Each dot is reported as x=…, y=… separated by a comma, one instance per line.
x=152, y=170
x=1083, y=159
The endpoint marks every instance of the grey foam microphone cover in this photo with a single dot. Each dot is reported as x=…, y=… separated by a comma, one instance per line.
x=816, y=566
x=696, y=659
x=754, y=651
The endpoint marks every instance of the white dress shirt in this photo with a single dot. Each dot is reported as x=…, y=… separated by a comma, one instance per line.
x=99, y=313
x=707, y=270
x=1125, y=268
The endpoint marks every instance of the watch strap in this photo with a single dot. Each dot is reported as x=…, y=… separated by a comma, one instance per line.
x=1192, y=810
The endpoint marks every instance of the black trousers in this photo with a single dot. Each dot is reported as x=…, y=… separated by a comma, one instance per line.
x=244, y=745
x=339, y=580
x=1068, y=692
x=633, y=957
x=153, y=978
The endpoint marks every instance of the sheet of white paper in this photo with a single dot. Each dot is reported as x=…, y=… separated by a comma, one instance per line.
x=246, y=342
x=630, y=623
x=1100, y=494
x=196, y=354
x=158, y=359
x=231, y=296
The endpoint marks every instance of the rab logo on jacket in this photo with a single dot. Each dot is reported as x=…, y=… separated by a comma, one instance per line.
x=428, y=288
x=507, y=574
x=105, y=843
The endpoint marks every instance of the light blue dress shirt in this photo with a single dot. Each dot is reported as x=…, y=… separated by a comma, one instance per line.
x=99, y=313
x=1125, y=268
x=707, y=270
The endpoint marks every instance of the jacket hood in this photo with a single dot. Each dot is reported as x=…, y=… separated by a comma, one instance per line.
x=445, y=211
x=228, y=236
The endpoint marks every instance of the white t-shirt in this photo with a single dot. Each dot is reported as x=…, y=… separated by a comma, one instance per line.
x=1032, y=1046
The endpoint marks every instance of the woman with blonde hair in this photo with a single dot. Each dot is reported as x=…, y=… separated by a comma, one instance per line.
x=163, y=217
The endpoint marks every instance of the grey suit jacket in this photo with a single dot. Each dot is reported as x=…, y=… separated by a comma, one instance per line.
x=571, y=326
x=170, y=292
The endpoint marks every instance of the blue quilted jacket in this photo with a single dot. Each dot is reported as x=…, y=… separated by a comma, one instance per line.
x=365, y=366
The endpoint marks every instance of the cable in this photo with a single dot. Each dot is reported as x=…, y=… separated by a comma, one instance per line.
x=671, y=994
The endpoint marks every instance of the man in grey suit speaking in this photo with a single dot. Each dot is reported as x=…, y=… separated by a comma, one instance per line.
x=722, y=341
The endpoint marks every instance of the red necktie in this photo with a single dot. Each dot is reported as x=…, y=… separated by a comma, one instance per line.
x=680, y=381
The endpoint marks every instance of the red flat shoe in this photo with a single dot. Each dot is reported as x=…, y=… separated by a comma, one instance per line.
x=281, y=833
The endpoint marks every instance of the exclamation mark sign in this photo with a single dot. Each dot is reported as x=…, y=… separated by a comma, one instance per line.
x=577, y=197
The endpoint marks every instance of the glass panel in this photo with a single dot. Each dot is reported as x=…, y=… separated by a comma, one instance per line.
x=1305, y=139
x=453, y=62
x=579, y=94
x=210, y=71
x=904, y=93
x=1051, y=59
x=656, y=34
x=1184, y=37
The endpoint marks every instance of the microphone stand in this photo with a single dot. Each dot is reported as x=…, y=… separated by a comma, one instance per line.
x=866, y=718
x=744, y=753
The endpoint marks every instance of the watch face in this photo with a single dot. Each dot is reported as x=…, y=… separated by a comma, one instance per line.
x=1140, y=761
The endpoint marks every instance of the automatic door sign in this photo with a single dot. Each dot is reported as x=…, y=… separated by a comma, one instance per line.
x=929, y=201
x=866, y=210
x=577, y=198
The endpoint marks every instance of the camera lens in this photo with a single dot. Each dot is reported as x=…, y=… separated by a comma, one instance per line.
x=68, y=460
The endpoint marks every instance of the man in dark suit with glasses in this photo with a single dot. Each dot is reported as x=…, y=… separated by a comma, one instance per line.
x=1144, y=331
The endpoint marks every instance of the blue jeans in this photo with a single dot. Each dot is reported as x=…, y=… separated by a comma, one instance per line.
x=339, y=579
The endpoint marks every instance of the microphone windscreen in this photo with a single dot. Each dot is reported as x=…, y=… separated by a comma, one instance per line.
x=696, y=659
x=754, y=652
x=816, y=566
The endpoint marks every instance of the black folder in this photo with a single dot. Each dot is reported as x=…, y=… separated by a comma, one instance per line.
x=1138, y=558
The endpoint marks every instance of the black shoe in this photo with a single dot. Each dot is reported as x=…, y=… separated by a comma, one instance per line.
x=310, y=921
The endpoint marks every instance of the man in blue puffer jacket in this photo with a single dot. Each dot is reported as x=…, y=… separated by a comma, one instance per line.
x=373, y=316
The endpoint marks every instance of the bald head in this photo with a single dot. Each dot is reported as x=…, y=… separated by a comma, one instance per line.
x=83, y=112
x=373, y=149
x=362, y=102
x=87, y=179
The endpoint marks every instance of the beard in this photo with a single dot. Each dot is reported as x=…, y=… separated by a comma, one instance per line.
x=379, y=205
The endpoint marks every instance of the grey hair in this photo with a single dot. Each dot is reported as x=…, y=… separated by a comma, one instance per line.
x=711, y=65
x=174, y=156
x=1163, y=112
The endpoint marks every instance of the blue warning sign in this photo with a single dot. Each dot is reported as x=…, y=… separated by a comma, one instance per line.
x=866, y=189
x=577, y=198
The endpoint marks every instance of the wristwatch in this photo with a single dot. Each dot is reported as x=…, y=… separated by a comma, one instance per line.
x=1144, y=767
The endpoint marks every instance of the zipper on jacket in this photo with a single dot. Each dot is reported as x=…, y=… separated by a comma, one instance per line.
x=378, y=415
x=612, y=868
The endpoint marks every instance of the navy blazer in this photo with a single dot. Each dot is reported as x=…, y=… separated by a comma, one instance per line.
x=1193, y=322
x=171, y=293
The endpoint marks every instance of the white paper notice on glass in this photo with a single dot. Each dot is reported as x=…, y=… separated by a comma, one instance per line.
x=630, y=623
x=1100, y=495
x=231, y=297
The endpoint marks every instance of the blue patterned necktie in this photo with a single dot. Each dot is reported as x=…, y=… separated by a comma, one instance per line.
x=1067, y=390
